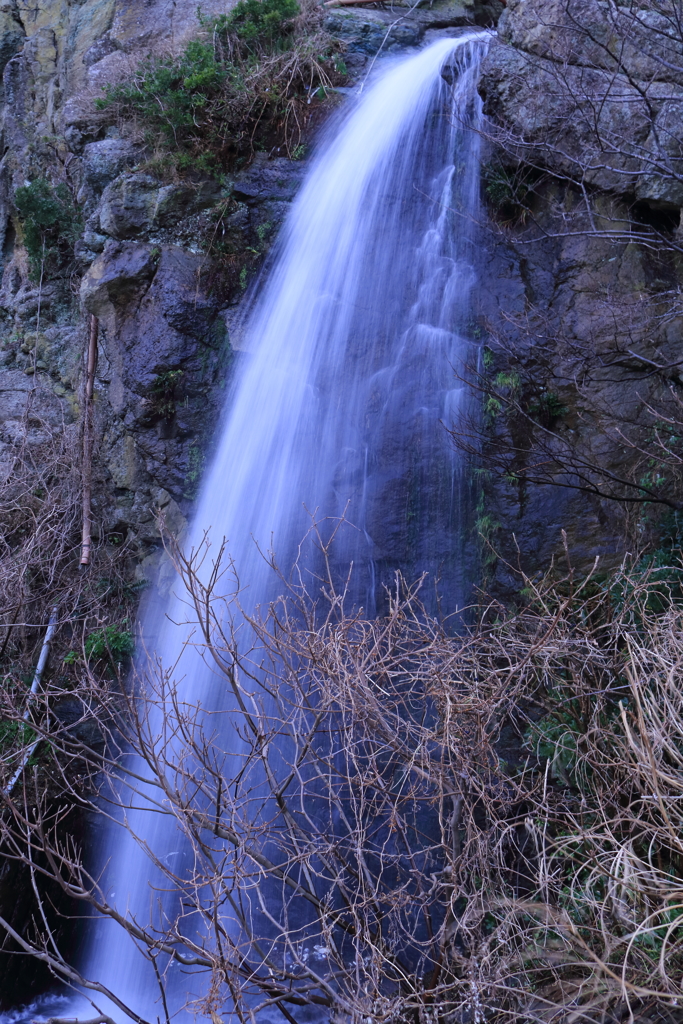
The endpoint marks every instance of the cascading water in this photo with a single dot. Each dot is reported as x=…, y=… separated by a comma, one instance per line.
x=338, y=404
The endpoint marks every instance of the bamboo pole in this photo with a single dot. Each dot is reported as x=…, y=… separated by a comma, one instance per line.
x=88, y=441
x=35, y=686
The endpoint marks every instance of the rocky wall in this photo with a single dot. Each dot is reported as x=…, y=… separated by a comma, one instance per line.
x=578, y=282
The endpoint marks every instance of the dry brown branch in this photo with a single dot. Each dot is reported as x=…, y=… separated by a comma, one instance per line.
x=363, y=834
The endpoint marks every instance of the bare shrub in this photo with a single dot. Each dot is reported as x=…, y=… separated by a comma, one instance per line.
x=388, y=822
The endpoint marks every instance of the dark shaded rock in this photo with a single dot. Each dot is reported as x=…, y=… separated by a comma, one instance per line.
x=173, y=318
x=366, y=31
x=277, y=179
x=137, y=203
x=102, y=48
x=122, y=272
x=12, y=37
x=104, y=160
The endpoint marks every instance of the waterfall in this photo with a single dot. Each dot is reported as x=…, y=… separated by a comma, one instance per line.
x=345, y=379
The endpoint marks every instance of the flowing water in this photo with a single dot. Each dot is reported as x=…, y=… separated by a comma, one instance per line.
x=347, y=375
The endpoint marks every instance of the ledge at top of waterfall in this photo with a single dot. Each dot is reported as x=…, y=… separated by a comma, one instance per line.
x=337, y=411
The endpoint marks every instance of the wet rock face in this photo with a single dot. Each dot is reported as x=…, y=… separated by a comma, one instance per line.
x=550, y=64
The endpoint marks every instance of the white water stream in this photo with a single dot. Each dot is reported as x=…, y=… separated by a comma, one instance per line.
x=351, y=347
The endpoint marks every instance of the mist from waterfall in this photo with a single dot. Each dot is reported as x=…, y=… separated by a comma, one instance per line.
x=346, y=375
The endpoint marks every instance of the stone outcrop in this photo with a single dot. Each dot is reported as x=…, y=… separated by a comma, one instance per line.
x=593, y=95
x=590, y=92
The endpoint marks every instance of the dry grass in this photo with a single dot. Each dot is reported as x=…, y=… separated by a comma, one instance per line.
x=483, y=827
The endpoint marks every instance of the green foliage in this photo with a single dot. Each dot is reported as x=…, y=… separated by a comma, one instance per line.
x=546, y=407
x=486, y=528
x=261, y=22
x=509, y=191
x=50, y=224
x=111, y=643
x=163, y=393
x=230, y=92
x=196, y=461
x=176, y=97
x=557, y=738
x=507, y=379
x=660, y=582
x=13, y=733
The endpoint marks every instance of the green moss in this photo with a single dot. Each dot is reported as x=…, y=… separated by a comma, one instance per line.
x=50, y=224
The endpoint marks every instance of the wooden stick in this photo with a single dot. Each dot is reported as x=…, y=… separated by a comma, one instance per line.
x=88, y=441
x=35, y=685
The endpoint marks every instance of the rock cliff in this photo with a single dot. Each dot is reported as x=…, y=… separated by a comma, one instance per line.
x=580, y=275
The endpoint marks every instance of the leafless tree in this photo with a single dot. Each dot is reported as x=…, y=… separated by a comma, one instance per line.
x=384, y=851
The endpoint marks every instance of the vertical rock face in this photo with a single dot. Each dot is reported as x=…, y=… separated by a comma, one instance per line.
x=585, y=100
x=140, y=257
x=140, y=240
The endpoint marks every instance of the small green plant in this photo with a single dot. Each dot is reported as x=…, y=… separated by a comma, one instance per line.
x=233, y=91
x=509, y=191
x=486, y=528
x=114, y=642
x=110, y=643
x=196, y=460
x=546, y=407
x=261, y=22
x=13, y=733
x=557, y=738
x=50, y=224
x=492, y=407
x=509, y=380
x=163, y=393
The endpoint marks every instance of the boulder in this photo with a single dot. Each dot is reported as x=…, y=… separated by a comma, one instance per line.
x=595, y=34
x=103, y=161
x=124, y=270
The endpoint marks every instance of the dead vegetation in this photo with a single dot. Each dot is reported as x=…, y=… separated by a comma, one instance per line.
x=390, y=822
x=252, y=80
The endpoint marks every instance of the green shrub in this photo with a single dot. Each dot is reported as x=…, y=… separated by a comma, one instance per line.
x=233, y=91
x=163, y=393
x=50, y=224
x=261, y=22
x=110, y=642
